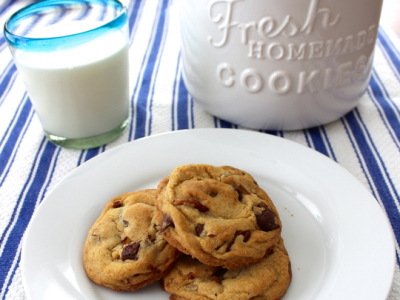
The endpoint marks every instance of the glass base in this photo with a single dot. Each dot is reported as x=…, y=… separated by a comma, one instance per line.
x=88, y=142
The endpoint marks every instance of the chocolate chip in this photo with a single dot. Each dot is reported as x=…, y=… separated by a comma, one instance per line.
x=266, y=220
x=217, y=275
x=130, y=251
x=197, y=205
x=241, y=190
x=246, y=236
x=213, y=194
x=270, y=251
x=166, y=223
x=126, y=223
x=199, y=229
x=117, y=204
x=216, y=279
x=219, y=271
x=228, y=248
x=191, y=276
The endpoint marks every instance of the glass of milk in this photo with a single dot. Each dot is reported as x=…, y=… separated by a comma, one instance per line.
x=73, y=58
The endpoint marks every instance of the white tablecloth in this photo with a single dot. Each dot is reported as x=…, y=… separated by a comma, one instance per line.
x=366, y=141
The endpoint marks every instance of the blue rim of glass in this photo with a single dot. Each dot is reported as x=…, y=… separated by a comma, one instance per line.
x=54, y=43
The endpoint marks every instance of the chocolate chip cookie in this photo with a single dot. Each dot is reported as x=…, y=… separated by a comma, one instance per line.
x=218, y=215
x=124, y=249
x=267, y=279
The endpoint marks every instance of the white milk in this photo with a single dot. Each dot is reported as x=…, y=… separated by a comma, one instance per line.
x=80, y=92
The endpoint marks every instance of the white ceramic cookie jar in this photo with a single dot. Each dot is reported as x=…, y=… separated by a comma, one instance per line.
x=278, y=64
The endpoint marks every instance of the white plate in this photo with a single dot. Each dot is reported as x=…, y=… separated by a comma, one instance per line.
x=338, y=237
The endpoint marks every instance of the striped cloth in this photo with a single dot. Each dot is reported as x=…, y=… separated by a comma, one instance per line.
x=366, y=141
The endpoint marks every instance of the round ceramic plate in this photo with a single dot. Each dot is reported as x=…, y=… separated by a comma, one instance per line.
x=337, y=236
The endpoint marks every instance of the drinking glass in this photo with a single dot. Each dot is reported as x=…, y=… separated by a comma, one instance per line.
x=73, y=58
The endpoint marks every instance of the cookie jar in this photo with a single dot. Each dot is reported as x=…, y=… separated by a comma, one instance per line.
x=278, y=65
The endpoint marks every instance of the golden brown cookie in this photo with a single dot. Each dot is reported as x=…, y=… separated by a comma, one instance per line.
x=268, y=279
x=124, y=249
x=218, y=215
